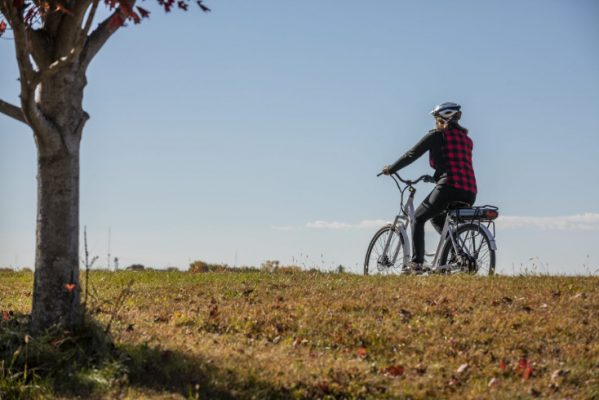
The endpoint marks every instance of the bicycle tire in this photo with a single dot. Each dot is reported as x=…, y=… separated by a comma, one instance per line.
x=376, y=267
x=445, y=258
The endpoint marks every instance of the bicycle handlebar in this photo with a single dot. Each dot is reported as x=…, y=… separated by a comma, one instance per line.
x=425, y=178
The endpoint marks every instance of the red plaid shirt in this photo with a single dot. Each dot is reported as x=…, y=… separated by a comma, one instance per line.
x=456, y=152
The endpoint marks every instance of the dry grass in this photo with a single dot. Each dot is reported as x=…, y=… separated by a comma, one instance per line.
x=312, y=335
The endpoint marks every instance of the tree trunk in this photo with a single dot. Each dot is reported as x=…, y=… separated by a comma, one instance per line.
x=56, y=291
x=56, y=294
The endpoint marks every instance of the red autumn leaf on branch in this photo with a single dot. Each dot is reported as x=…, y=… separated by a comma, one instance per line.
x=182, y=5
x=143, y=12
x=2, y=27
x=502, y=365
x=32, y=13
x=111, y=3
x=128, y=12
x=167, y=4
x=45, y=6
x=116, y=21
x=136, y=18
x=202, y=6
x=61, y=8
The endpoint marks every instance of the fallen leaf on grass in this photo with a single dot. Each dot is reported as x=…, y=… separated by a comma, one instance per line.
x=70, y=287
x=559, y=373
x=160, y=318
x=213, y=311
x=453, y=382
x=462, y=368
x=527, y=373
x=324, y=387
x=420, y=368
x=534, y=392
x=362, y=353
x=394, y=370
x=524, y=368
x=405, y=315
x=493, y=383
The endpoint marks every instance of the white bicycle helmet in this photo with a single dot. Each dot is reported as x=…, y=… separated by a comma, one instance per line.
x=446, y=111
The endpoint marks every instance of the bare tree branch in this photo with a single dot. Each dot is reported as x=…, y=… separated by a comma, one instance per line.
x=78, y=45
x=40, y=48
x=12, y=111
x=28, y=78
x=101, y=34
x=88, y=22
x=68, y=34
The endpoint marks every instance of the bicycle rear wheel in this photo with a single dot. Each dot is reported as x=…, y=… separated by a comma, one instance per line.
x=378, y=261
x=475, y=255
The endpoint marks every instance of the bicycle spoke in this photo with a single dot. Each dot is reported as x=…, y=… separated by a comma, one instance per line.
x=381, y=262
x=475, y=256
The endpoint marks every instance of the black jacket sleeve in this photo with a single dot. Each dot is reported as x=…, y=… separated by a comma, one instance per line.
x=432, y=140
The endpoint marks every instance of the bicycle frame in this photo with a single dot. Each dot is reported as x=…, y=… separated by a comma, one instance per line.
x=405, y=219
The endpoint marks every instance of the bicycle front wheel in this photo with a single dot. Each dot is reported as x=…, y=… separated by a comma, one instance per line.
x=474, y=256
x=379, y=261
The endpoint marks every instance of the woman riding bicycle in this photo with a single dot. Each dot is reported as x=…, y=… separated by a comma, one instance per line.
x=450, y=155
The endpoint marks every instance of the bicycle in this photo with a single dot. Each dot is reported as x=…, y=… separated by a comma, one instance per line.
x=467, y=243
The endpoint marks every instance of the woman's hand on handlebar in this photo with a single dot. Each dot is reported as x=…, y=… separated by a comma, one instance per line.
x=385, y=171
x=428, y=179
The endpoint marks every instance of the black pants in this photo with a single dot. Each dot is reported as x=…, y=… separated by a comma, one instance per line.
x=434, y=207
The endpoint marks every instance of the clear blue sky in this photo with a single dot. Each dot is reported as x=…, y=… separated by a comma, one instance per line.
x=231, y=132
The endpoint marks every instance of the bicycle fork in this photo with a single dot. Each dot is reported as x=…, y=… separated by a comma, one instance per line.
x=384, y=258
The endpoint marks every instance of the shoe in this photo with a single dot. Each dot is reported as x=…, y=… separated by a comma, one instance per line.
x=414, y=268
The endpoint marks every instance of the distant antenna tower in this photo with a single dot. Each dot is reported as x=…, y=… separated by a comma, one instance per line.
x=108, y=258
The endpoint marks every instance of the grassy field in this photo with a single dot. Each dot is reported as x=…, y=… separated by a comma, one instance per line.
x=262, y=335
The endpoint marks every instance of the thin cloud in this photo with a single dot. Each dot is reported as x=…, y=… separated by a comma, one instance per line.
x=364, y=224
x=579, y=222
x=284, y=228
